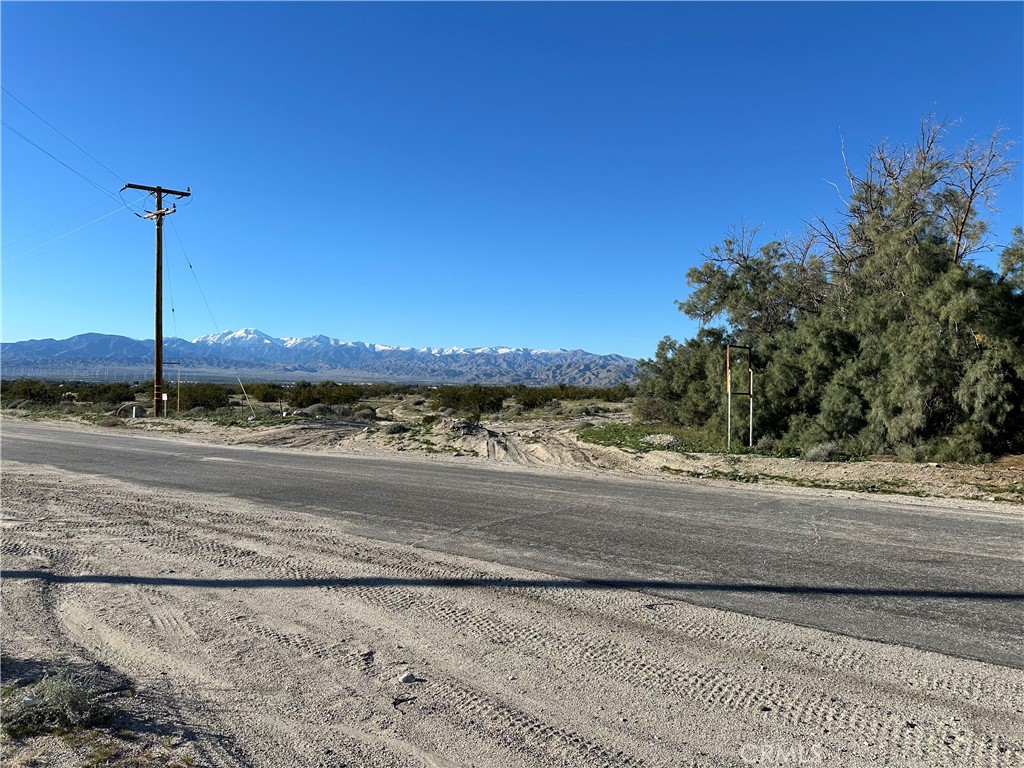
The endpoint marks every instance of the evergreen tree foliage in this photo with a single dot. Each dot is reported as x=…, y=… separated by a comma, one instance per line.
x=880, y=333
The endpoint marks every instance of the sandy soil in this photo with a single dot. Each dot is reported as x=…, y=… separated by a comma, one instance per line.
x=230, y=634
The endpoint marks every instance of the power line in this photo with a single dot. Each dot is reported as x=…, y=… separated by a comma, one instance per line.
x=51, y=224
x=170, y=290
x=194, y=275
x=81, y=175
x=66, y=234
x=76, y=146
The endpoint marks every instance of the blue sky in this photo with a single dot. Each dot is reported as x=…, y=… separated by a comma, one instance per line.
x=461, y=174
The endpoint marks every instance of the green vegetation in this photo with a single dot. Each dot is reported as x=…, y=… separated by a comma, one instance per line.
x=106, y=393
x=641, y=438
x=305, y=394
x=60, y=701
x=471, y=398
x=878, y=335
x=225, y=404
x=202, y=394
x=32, y=390
x=478, y=399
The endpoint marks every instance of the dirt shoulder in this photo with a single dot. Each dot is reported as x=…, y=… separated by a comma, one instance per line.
x=235, y=634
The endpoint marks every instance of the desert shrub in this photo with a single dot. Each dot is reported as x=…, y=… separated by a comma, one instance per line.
x=305, y=393
x=59, y=701
x=265, y=392
x=472, y=398
x=366, y=414
x=828, y=451
x=202, y=394
x=536, y=397
x=40, y=392
x=395, y=429
x=429, y=419
x=109, y=421
x=106, y=393
x=641, y=438
x=766, y=445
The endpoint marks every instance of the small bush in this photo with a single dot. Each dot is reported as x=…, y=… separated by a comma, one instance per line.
x=766, y=445
x=830, y=451
x=472, y=398
x=395, y=429
x=106, y=393
x=202, y=394
x=263, y=392
x=58, y=701
x=366, y=414
x=636, y=438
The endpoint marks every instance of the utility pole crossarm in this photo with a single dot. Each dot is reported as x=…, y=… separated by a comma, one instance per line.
x=144, y=188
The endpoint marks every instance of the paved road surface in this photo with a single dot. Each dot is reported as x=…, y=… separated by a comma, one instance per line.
x=936, y=578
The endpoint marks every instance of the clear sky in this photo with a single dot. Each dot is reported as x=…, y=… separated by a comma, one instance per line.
x=457, y=174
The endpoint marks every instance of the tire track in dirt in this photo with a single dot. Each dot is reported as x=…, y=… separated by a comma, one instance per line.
x=695, y=627
x=714, y=688
x=513, y=725
x=717, y=674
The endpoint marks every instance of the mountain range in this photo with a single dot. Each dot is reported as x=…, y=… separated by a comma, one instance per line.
x=255, y=355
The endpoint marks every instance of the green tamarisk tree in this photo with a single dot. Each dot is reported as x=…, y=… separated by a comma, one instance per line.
x=880, y=332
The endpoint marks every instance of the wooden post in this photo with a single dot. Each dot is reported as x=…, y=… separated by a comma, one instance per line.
x=158, y=350
x=158, y=342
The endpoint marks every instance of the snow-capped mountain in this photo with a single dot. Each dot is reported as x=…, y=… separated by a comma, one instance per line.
x=254, y=354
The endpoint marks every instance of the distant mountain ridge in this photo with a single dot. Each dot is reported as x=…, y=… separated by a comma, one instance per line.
x=251, y=353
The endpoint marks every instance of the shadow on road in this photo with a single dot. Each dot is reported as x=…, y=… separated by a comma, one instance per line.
x=499, y=583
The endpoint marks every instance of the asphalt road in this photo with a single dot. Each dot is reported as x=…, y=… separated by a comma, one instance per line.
x=935, y=578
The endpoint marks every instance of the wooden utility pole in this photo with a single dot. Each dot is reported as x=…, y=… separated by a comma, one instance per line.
x=158, y=217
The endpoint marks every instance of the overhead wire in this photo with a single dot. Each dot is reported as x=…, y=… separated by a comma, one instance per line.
x=26, y=257
x=170, y=291
x=81, y=149
x=81, y=175
x=188, y=261
x=117, y=176
x=120, y=198
x=51, y=224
